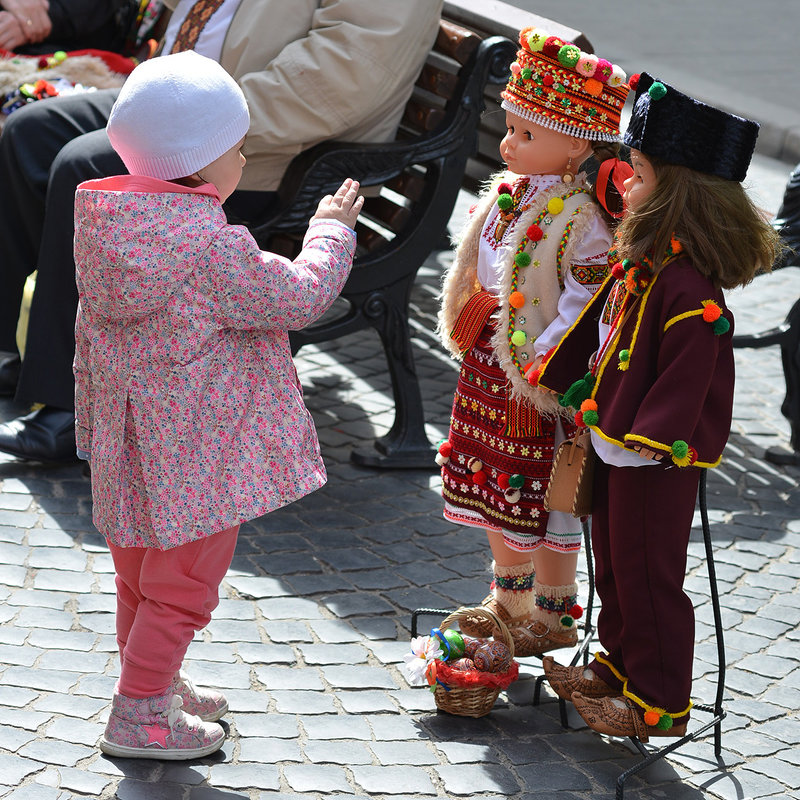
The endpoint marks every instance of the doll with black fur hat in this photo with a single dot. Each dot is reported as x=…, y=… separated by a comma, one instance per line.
x=529, y=258
x=658, y=398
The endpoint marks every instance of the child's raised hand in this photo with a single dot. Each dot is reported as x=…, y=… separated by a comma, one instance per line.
x=343, y=206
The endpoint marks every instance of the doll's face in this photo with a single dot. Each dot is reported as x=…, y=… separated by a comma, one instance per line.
x=530, y=149
x=641, y=184
x=226, y=171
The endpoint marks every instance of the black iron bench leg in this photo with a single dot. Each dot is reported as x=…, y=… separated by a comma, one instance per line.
x=406, y=444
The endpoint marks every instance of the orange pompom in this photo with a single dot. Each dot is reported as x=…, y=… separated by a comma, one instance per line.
x=593, y=87
x=651, y=718
x=516, y=299
x=712, y=312
x=589, y=405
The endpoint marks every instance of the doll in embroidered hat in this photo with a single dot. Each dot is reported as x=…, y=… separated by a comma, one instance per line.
x=186, y=399
x=530, y=257
x=658, y=398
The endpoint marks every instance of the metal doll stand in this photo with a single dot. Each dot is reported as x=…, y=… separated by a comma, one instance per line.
x=718, y=713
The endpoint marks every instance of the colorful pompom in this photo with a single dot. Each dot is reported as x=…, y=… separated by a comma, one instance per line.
x=445, y=447
x=535, y=40
x=603, y=71
x=512, y=495
x=576, y=612
x=589, y=405
x=618, y=271
x=627, y=263
x=634, y=81
x=617, y=76
x=657, y=90
x=441, y=460
x=516, y=481
x=502, y=480
x=526, y=74
x=505, y=201
x=534, y=233
x=587, y=64
x=516, y=299
x=567, y=621
x=555, y=205
x=480, y=477
x=711, y=311
x=568, y=55
x=590, y=418
x=505, y=188
x=720, y=326
x=578, y=420
x=664, y=723
x=651, y=718
x=522, y=259
x=532, y=376
x=516, y=68
x=475, y=464
x=680, y=448
x=593, y=87
x=682, y=454
x=552, y=45
x=519, y=338
x=548, y=80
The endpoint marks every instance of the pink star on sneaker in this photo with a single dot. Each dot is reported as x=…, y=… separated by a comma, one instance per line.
x=156, y=735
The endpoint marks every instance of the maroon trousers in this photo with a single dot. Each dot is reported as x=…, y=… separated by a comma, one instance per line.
x=641, y=522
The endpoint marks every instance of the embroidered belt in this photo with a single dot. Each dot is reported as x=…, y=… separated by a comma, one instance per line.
x=472, y=319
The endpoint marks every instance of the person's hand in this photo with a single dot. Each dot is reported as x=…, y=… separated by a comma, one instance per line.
x=645, y=453
x=11, y=34
x=32, y=17
x=344, y=206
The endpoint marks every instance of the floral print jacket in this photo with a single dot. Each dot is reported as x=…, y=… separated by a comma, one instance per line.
x=186, y=394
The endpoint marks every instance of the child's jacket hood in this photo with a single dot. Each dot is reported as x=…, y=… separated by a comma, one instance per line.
x=123, y=278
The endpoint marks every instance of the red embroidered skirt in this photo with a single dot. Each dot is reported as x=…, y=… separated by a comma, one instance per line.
x=479, y=440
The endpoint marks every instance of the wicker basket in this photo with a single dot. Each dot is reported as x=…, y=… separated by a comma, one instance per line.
x=473, y=700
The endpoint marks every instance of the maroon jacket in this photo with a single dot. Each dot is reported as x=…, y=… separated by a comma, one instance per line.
x=678, y=384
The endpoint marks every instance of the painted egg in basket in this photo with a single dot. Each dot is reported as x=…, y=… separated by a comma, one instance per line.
x=492, y=657
x=463, y=665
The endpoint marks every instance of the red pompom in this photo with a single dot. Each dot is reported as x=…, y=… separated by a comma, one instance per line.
x=534, y=233
x=576, y=612
x=505, y=188
x=42, y=63
x=552, y=45
x=548, y=80
x=579, y=420
x=502, y=480
x=445, y=448
x=692, y=455
x=618, y=271
x=633, y=81
x=480, y=477
x=532, y=376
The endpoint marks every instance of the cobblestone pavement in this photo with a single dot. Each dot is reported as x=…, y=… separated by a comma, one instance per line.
x=315, y=615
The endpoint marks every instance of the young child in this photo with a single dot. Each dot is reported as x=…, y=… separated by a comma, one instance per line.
x=658, y=398
x=530, y=257
x=187, y=401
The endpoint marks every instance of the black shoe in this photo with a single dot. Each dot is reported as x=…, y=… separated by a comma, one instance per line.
x=9, y=375
x=47, y=434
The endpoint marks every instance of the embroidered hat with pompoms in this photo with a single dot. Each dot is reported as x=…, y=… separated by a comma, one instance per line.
x=558, y=86
x=680, y=130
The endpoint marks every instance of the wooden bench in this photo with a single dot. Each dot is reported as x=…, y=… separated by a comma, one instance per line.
x=417, y=179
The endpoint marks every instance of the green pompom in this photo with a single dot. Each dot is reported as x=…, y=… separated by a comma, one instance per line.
x=590, y=417
x=516, y=481
x=519, y=338
x=720, y=326
x=522, y=259
x=567, y=621
x=624, y=355
x=657, y=91
x=579, y=391
x=526, y=73
x=568, y=55
x=626, y=264
x=505, y=201
x=680, y=449
x=664, y=723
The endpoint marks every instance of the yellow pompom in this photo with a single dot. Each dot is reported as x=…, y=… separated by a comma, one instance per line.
x=555, y=205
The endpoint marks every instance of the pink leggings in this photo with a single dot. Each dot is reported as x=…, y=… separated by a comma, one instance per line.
x=163, y=597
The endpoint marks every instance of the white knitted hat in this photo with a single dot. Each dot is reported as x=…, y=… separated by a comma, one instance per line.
x=176, y=114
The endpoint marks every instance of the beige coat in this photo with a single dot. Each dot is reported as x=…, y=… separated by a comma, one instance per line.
x=313, y=70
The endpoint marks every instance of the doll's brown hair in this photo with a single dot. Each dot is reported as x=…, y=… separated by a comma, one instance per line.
x=723, y=233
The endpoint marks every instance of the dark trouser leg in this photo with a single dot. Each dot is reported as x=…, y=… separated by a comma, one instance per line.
x=649, y=521
x=84, y=153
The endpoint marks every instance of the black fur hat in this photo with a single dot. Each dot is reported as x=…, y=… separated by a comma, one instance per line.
x=677, y=129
